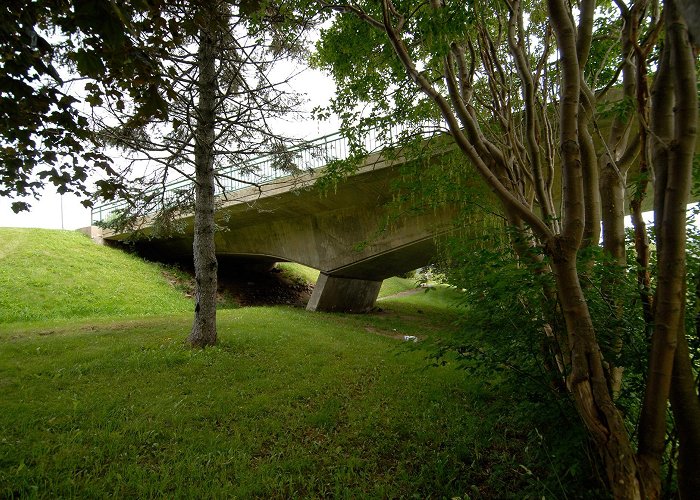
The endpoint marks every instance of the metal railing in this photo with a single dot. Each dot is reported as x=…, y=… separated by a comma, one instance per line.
x=310, y=156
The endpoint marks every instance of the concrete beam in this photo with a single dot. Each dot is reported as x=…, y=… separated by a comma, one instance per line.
x=336, y=294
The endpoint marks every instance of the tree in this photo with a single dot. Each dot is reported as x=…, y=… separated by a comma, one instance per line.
x=223, y=98
x=518, y=87
x=48, y=49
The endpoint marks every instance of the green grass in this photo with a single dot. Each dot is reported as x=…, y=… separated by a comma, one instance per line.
x=61, y=275
x=293, y=270
x=392, y=286
x=289, y=404
x=47, y=274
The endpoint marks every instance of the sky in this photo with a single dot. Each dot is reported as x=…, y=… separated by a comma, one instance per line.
x=54, y=211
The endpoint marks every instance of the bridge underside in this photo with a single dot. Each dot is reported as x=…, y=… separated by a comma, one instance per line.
x=343, y=235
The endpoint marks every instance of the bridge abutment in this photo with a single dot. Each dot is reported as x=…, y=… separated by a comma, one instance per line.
x=336, y=294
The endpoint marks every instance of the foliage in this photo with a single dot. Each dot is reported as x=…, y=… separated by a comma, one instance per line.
x=521, y=87
x=499, y=292
x=52, y=54
x=501, y=329
x=692, y=317
x=248, y=94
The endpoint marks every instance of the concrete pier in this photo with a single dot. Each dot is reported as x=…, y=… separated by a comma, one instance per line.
x=336, y=294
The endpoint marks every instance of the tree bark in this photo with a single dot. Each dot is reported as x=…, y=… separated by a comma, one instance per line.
x=589, y=387
x=587, y=381
x=652, y=425
x=205, y=265
x=589, y=163
x=613, y=180
x=684, y=397
x=641, y=239
x=674, y=118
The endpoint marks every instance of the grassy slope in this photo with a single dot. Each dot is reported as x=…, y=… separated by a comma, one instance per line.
x=52, y=275
x=289, y=404
x=62, y=274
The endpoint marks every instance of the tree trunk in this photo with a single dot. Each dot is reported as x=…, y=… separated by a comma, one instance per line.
x=639, y=192
x=612, y=194
x=684, y=397
x=641, y=239
x=652, y=424
x=674, y=119
x=589, y=387
x=205, y=266
x=591, y=191
x=613, y=179
x=587, y=381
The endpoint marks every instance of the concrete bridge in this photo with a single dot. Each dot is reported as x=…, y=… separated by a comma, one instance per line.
x=344, y=234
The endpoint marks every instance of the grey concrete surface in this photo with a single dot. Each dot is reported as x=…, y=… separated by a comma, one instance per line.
x=335, y=294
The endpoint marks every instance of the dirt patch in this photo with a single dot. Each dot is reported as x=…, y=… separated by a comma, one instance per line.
x=265, y=288
x=248, y=287
x=405, y=293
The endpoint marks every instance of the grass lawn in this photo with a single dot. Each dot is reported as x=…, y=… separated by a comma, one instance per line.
x=290, y=404
x=48, y=275
x=99, y=396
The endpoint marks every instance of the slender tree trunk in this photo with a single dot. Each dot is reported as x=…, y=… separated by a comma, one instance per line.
x=641, y=239
x=613, y=177
x=555, y=351
x=587, y=381
x=684, y=397
x=674, y=124
x=612, y=194
x=613, y=180
x=652, y=425
x=589, y=163
x=639, y=193
x=589, y=387
x=612, y=190
x=204, y=328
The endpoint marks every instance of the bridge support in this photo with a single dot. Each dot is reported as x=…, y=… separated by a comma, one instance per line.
x=335, y=294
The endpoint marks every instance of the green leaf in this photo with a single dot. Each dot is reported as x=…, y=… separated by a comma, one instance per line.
x=89, y=64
